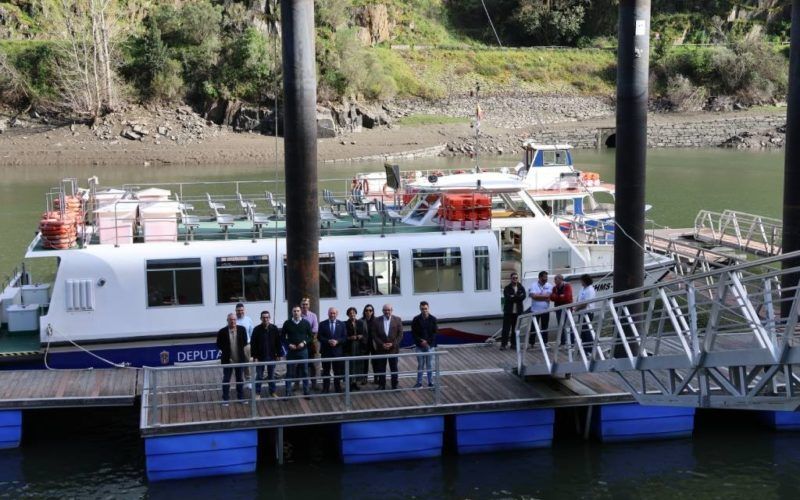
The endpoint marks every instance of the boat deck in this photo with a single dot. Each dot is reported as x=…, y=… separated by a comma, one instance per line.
x=474, y=378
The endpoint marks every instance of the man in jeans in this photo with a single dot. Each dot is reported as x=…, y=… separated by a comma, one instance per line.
x=296, y=334
x=423, y=329
x=266, y=346
x=540, y=292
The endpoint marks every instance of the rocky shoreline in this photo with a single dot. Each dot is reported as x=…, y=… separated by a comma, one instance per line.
x=356, y=132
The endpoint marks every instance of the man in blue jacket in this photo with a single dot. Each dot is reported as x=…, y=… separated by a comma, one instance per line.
x=332, y=337
x=424, y=330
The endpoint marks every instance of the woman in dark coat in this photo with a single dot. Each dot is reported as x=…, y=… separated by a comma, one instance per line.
x=357, y=342
x=371, y=322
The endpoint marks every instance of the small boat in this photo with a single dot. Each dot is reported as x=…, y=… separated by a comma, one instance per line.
x=146, y=275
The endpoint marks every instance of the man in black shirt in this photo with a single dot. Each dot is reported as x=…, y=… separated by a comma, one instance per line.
x=424, y=330
x=265, y=344
x=513, y=295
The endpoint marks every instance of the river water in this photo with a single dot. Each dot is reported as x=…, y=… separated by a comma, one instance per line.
x=98, y=453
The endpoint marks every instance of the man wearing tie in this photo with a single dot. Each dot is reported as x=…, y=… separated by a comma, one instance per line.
x=388, y=334
x=332, y=336
x=231, y=341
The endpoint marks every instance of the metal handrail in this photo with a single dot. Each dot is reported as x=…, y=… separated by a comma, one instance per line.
x=729, y=335
x=744, y=231
x=154, y=389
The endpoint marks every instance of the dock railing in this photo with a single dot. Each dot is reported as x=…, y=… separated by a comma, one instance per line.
x=194, y=392
x=744, y=231
x=728, y=337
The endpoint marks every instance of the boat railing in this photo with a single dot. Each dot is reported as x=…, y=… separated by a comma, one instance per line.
x=196, y=389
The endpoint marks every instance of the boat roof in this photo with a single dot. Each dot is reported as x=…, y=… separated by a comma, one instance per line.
x=485, y=181
x=531, y=144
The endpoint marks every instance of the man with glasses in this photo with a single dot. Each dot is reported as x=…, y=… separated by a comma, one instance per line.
x=513, y=297
x=266, y=346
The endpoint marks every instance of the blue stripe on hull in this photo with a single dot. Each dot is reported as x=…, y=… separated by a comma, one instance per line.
x=165, y=354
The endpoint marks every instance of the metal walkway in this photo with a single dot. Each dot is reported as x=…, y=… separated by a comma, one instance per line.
x=740, y=230
x=713, y=339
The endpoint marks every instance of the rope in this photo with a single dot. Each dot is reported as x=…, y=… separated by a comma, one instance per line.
x=491, y=24
x=53, y=331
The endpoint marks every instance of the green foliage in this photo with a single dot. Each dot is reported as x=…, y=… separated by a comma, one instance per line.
x=752, y=71
x=553, y=23
x=35, y=62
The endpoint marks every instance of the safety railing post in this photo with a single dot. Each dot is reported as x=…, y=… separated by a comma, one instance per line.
x=253, y=379
x=153, y=394
x=346, y=385
x=437, y=385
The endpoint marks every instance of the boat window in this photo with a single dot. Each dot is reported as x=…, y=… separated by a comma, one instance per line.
x=374, y=273
x=481, y=268
x=327, y=276
x=174, y=282
x=243, y=279
x=437, y=270
x=554, y=157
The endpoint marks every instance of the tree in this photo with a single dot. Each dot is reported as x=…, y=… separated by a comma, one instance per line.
x=84, y=31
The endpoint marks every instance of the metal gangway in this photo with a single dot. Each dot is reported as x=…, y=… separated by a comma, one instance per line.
x=714, y=339
x=740, y=230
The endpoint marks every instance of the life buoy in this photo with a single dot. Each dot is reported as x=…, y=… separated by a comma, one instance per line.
x=386, y=190
x=361, y=185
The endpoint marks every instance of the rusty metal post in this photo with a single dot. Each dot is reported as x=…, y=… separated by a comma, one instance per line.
x=300, y=152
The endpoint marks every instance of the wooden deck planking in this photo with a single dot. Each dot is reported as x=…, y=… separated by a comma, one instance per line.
x=67, y=388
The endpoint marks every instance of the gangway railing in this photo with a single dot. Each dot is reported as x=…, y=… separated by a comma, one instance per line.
x=741, y=230
x=713, y=339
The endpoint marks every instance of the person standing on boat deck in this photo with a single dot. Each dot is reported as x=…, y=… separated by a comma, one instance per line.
x=265, y=346
x=540, y=293
x=371, y=322
x=561, y=296
x=388, y=334
x=247, y=323
x=332, y=337
x=231, y=341
x=424, y=330
x=587, y=293
x=357, y=342
x=296, y=334
x=313, y=347
x=514, y=296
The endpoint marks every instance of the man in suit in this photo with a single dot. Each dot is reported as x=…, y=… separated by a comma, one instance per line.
x=513, y=297
x=332, y=336
x=231, y=341
x=265, y=345
x=388, y=334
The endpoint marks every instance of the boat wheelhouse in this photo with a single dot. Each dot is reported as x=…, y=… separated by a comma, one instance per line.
x=147, y=276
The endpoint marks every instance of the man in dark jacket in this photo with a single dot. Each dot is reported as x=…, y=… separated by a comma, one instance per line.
x=265, y=345
x=296, y=334
x=386, y=340
x=514, y=296
x=332, y=336
x=424, y=330
x=231, y=341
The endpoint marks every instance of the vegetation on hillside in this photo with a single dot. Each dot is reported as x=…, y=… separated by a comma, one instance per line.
x=87, y=56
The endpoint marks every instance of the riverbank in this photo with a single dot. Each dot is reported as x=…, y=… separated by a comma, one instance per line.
x=180, y=137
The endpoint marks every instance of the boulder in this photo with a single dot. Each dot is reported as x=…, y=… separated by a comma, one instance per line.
x=326, y=126
x=372, y=116
x=248, y=120
x=375, y=23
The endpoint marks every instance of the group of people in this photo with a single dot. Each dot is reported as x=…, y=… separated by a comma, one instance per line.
x=542, y=294
x=302, y=337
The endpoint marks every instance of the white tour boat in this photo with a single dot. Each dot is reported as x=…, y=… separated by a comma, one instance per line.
x=147, y=276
